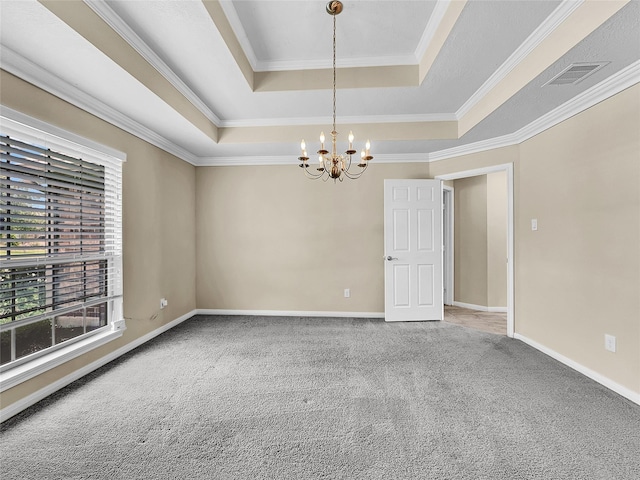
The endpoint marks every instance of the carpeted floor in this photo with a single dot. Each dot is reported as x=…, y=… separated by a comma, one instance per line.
x=311, y=398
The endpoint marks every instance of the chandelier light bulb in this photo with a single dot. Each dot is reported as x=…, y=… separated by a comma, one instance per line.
x=322, y=139
x=350, y=140
x=367, y=147
x=303, y=145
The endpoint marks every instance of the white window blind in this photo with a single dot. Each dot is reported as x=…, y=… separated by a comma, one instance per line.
x=60, y=244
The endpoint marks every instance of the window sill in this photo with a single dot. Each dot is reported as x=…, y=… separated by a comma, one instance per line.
x=22, y=373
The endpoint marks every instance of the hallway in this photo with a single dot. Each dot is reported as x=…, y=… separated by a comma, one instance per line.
x=491, y=322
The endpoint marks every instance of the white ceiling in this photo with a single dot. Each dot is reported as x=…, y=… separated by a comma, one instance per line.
x=368, y=32
x=206, y=88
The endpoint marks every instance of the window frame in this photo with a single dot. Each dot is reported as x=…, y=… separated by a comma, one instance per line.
x=29, y=129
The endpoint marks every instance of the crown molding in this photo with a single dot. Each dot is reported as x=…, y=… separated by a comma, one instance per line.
x=17, y=65
x=364, y=119
x=401, y=158
x=30, y=72
x=355, y=62
x=242, y=161
x=553, y=21
x=476, y=147
x=291, y=160
x=111, y=18
x=616, y=83
x=433, y=24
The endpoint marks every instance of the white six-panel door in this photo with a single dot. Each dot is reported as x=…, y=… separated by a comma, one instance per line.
x=413, y=250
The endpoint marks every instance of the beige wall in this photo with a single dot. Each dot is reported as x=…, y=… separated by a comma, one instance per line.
x=158, y=224
x=470, y=240
x=497, y=239
x=579, y=273
x=270, y=239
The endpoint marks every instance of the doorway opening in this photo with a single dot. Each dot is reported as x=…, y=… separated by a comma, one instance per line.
x=457, y=310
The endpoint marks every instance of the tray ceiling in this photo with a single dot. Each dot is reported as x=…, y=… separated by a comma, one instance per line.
x=235, y=82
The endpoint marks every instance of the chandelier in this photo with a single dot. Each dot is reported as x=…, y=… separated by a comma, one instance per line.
x=332, y=164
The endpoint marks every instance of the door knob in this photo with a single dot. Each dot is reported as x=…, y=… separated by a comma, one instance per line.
x=389, y=258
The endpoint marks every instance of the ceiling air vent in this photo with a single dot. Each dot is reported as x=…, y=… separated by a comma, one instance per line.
x=575, y=73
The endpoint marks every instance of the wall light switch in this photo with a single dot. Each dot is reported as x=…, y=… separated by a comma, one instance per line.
x=610, y=343
x=347, y=293
x=534, y=224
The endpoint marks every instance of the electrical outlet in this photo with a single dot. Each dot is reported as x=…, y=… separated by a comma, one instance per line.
x=534, y=224
x=163, y=303
x=610, y=343
x=347, y=293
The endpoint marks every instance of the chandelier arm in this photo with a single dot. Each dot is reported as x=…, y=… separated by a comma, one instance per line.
x=353, y=176
x=312, y=176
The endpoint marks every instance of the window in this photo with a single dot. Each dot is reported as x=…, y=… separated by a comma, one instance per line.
x=60, y=244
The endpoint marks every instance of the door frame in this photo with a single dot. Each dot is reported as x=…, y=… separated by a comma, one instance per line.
x=448, y=236
x=508, y=167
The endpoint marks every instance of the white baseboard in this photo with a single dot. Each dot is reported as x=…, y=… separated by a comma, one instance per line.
x=497, y=309
x=601, y=379
x=290, y=313
x=16, y=407
x=480, y=308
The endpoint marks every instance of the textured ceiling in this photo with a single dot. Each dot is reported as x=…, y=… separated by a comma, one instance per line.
x=221, y=80
x=369, y=33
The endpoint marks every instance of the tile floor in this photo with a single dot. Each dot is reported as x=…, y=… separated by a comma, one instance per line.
x=486, y=321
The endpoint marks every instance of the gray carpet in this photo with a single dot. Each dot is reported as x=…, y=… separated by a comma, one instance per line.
x=297, y=398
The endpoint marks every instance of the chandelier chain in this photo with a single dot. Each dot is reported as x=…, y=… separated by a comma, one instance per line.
x=334, y=73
